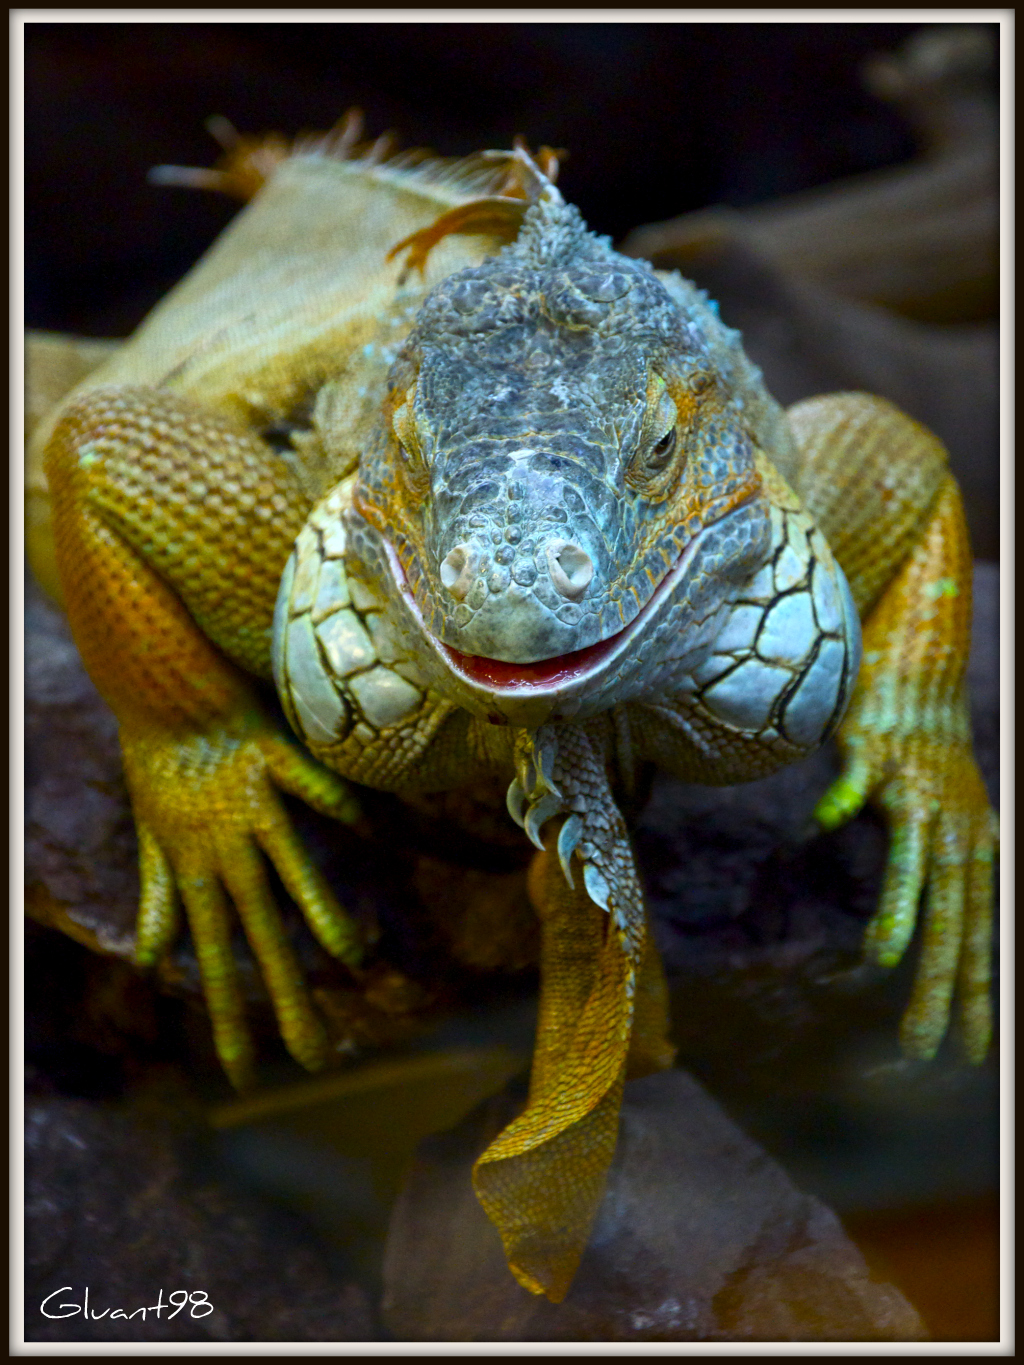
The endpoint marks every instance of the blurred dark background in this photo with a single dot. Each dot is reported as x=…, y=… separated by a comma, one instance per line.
x=658, y=119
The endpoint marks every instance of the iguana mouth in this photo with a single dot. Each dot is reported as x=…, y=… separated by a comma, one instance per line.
x=499, y=676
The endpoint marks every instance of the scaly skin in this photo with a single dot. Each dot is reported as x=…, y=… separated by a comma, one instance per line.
x=906, y=737
x=531, y=517
x=201, y=760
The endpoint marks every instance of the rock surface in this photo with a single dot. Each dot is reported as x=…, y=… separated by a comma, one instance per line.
x=80, y=852
x=701, y=1237
x=111, y=1206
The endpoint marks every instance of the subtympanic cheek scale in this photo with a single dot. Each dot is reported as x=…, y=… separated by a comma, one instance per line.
x=341, y=671
x=786, y=658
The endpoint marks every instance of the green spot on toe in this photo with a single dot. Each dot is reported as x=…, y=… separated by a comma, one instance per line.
x=840, y=803
x=942, y=587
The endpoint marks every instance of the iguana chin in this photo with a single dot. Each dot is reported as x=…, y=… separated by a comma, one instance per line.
x=526, y=513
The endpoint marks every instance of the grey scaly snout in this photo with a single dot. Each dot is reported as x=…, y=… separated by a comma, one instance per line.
x=569, y=566
x=513, y=597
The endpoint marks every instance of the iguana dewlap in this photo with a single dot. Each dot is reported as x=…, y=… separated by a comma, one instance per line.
x=530, y=514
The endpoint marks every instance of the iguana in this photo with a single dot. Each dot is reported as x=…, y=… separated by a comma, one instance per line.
x=496, y=506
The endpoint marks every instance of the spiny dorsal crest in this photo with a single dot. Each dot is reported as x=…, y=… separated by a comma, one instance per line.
x=553, y=234
x=555, y=272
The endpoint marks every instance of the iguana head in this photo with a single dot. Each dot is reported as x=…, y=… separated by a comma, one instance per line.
x=569, y=505
x=556, y=437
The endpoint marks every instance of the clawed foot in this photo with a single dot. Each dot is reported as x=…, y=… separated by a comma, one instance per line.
x=208, y=814
x=943, y=841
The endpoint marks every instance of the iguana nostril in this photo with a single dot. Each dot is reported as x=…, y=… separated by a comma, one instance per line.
x=457, y=570
x=571, y=568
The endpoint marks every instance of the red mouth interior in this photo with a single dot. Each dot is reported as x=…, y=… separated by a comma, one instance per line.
x=498, y=673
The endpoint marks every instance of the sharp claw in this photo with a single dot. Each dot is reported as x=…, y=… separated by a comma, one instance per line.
x=597, y=886
x=515, y=800
x=544, y=759
x=527, y=775
x=536, y=816
x=568, y=837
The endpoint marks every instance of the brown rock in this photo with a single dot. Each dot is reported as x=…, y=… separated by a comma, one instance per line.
x=701, y=1237
x=111, y=1206
x=80, y=851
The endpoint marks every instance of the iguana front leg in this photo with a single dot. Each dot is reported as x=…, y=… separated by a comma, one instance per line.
x=171, y=529
x=603, y=1011
x=879, y=487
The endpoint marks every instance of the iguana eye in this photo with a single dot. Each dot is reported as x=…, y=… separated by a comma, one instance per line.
x=651, y=469
x=415, y=473
x=662, y=452
x=413, y=466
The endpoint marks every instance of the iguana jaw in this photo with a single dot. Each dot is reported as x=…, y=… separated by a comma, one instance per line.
x=547, y=681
